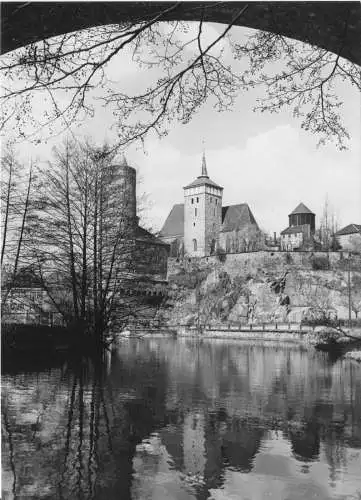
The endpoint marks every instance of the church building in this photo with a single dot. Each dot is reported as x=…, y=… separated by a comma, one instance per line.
x=201, y=225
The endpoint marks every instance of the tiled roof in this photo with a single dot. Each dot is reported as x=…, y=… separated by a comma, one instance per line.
x=296, y=229
x=350, y=229
x=237, y=217
x=301, y=209
x=142, y=234
x=201, y=181
x=174, y=225
x=234, y=218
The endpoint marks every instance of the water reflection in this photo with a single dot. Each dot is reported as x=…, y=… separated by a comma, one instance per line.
x=178, y=419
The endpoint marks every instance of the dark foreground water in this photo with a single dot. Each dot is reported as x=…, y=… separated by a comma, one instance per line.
x=173, y=419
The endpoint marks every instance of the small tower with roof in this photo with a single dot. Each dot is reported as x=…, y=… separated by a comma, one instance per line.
x=302, y=215
x=202, y=214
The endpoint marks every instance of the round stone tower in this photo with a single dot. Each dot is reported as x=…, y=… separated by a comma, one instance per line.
x=202, y=215
x=126, y=199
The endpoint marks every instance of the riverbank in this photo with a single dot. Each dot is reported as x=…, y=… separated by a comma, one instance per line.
x=355, y=355
x=321, y=338
x=40, y=340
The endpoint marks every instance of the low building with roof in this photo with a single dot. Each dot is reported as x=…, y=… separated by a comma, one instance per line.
x=201, y=225
x=300, y=232
x=349, y=237
x=24, y=300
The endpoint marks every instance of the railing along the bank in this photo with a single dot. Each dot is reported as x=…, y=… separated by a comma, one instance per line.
x=300, y=327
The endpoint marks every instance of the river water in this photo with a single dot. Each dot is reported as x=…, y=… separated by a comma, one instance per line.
x=182, y=419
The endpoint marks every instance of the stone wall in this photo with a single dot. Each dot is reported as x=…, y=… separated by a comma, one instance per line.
x=249, y=262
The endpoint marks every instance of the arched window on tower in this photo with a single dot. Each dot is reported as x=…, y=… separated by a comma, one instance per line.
x=194, y=245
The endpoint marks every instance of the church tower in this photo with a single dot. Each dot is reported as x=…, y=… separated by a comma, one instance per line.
x=202, y=215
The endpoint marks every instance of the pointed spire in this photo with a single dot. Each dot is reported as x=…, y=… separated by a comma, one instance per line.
x=204, y=166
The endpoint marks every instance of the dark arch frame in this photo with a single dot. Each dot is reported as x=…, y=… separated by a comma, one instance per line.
x=334, y=26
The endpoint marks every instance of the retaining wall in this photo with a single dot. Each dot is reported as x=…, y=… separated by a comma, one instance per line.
x=251, y=261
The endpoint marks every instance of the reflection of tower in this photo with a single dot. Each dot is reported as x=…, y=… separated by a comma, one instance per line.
x=194, y=444
x=306, y=444
x=202, y=214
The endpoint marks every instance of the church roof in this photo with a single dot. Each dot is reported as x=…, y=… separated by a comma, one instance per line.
x=350, y=229
x=142, y=234
x=301, y=209
x=237, y=217
x=174, y=224
x=234, y=218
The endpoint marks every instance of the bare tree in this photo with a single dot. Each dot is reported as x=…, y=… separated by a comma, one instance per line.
x=67, y=71
x=82, y=239
x=306, y=83
x=9, y=169
x=18, y=204
x=248, y=239
x=328, y=227
x=352, y=297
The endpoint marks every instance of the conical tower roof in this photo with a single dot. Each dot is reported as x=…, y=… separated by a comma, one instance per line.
x=301, y=209
x=123, y=162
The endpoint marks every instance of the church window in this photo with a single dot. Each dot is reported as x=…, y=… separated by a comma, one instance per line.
x=194, y=224
x=192, y=201
x=195, y=245
x=197, y=200
x=195, y=212
x=216, y=201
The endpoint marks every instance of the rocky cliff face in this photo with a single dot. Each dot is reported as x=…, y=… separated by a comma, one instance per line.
x=216, y=292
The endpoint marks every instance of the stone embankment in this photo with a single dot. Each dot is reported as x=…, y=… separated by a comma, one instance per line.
x=263, y=287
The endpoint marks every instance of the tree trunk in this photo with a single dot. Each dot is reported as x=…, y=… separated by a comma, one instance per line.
x=95, y=255
x=7, y=209
x=84, y=254
x=71, y=243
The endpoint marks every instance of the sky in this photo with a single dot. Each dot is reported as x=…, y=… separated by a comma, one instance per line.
x=265, y=160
